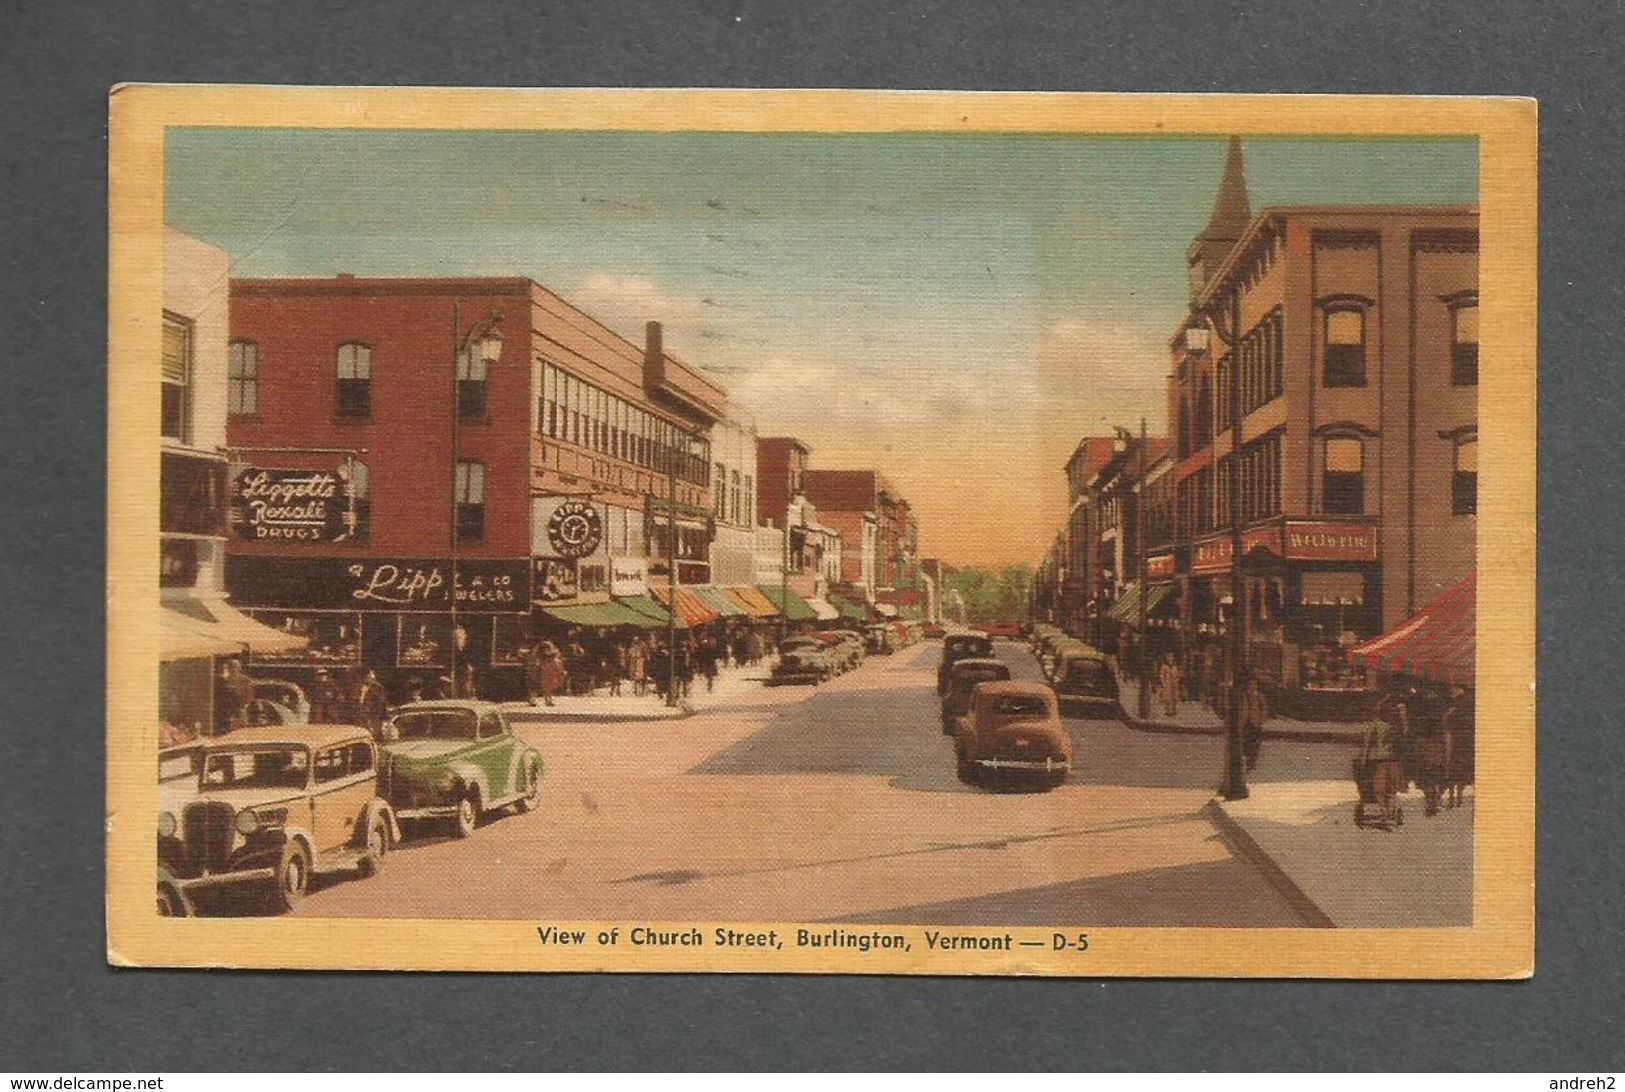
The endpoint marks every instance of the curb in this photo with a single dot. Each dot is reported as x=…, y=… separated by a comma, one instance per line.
x=526, y=716
x=1296, y=735
x=1236, y=837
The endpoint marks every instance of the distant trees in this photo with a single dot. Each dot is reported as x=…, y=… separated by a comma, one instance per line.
x=991, y=596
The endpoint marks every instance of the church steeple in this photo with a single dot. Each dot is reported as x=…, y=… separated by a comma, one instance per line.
x=1231, y=215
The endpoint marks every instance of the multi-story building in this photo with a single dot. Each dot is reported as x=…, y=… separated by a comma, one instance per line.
x=199, y=632
x=733, y=503
x=448, y=466
x=873, y=520
x=1349, y=337
x=814, y=554
x=1080, y=575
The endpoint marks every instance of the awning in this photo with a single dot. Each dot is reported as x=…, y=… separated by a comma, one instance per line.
x=791, y=605
x=598, y=614
x=822, y=610
x=851, y=609
x=1439, y=642
x=1127, y=608
x=718, y=601
x=755, y=603
x=691, y=609
x=886, y=610
x=191, y=629
x=649, y=614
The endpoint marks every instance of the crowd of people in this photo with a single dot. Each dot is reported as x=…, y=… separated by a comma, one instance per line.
x=637, y=664
x=1420, y=735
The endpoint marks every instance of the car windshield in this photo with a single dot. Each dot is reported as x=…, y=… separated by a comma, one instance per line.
x=257, y=768
x=981, y=675
x=1020, y=705
x=437, y=724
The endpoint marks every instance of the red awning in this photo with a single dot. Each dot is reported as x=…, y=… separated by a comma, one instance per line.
x=691, y=609
x=1439, y=642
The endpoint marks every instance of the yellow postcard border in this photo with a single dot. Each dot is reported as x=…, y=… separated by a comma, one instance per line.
x=1500, y=943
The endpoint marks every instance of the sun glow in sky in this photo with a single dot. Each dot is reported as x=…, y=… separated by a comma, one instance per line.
x=953, y=310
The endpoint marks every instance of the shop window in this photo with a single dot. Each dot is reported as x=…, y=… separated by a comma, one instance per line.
x=243, y=379
x=470, y=501
x=177, y=380
x=1343, y=479
x=353, y=394
x=1345, y=347
x=178, y=561
x=191, y=495
x=1464, y=345
x=471, y=377
x=1464, y=481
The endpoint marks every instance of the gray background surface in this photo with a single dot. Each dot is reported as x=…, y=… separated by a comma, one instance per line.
x=63, y=1010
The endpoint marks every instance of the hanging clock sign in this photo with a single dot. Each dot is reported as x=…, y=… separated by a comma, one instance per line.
x=575, y=529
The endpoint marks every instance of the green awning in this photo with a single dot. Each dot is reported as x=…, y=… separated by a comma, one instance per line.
x=1127, y=608
x=649, y=614
x=595, y=614
x=718, y=600
x=791, y=605
x=850, y=610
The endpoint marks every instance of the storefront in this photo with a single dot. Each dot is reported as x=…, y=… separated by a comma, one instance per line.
x=196, y=638
x=405, y=618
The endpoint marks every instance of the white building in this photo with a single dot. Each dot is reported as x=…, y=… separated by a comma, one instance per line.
x=733, y=503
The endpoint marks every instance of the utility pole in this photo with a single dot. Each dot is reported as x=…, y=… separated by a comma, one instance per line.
x=671, y=576
x=1139, y=548
x=1234, y=786
x=456, y=416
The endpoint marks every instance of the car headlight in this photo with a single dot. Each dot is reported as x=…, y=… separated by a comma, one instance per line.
x=445, y=784
x=166, y=825
x=247, y=822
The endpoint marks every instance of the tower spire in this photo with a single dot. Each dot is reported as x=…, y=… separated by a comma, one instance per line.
x=1231, y=215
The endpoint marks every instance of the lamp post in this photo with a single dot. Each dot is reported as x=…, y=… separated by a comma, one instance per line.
x=1139, y=550
x=671, y=578
x=486, y=340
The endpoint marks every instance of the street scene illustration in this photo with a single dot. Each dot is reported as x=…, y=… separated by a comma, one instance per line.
x=930, y=529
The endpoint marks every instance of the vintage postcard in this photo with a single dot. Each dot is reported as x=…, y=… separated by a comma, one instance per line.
x=862, y=532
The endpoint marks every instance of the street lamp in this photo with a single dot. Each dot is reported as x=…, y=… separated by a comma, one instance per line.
x=485, y=341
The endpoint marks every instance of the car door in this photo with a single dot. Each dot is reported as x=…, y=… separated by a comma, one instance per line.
x=344, y=782
x=498, y=754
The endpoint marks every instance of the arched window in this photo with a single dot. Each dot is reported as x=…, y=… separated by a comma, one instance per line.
x=1464, y=343
x=242, y=379
x=353, y=395
x=1464, y=479
x=1344, y=345
x=1343, y=476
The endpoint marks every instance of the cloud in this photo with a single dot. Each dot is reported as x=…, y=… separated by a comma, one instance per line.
x=1112, y=358
x=625, y=302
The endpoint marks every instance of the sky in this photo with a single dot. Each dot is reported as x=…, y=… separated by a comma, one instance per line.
x=955, y=311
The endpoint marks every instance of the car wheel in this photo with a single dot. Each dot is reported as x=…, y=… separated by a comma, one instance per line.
x=171, y=902
x=372, y=862
x=533, y=788
x=468, y=814
x=292, y=875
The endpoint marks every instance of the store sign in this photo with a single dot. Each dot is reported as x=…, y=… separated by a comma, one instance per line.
x=556, y=580
x=575, y=529
x=1213, y=555
x=628, y=576
x=1159, y=567
x=1331, y=541
x=483, y=585
x=294, y=505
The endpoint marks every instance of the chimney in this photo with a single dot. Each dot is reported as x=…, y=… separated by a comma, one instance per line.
x=654, y=356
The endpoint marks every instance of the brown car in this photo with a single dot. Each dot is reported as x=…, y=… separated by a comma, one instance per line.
x=963, y=677
x=1012, y=736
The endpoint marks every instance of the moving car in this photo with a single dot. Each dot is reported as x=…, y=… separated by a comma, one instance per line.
x=961, y=646
x=802, y=660
x=1008, y=630
x=278, y=701
x=963, y=677
x=1084, y=680
x=269, y=807
x=1012, y=735
x=457, y=760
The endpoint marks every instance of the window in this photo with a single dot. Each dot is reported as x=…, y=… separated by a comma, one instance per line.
x=1464, y=345
x=1343, y=480
x=471, y=369
x=354, y=394
x=470, y=501
x=177, y=378
x=243, y=378
x=750, y=501
x=734, y=500
x=1464, y=482
x=357, y=484
x=719, y=493
x=1345, y=347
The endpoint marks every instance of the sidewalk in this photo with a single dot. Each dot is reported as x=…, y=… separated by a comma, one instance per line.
x=1301, y=834
x=1195, y=718
x=600, y=705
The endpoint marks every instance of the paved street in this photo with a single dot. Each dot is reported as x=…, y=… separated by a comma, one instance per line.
x=841, y=804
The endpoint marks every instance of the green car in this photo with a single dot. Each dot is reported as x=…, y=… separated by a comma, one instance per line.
x=457, y=760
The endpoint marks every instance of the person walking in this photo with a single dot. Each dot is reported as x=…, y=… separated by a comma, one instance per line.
x=325, y=702
x=1381, y=759
x=1457, y=723
x=1168, y=684
x=371, y=702
x=1255, y=713
x=708, y=654
x=620, y=657
x=637, y=660
x=466, y=685
x=233, y=696
x=552, y=674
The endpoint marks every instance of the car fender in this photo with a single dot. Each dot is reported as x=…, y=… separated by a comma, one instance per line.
x=468, y=774
x=375, y=807
x=167, y=880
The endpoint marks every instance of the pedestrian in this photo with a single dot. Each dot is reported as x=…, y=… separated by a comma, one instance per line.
x=466, y=685
x=575, y=663
x=617, y=672
x=660, y=669
x=637, y=660
x=684, y=658
x=371, y=703
x=530, y=659
x=1457, y=724
x=325, y=702
x=1382, y=766
x=1255, y=713
x=1168, y=683
x=552, y=675
x=233, y=697
x=708, y=663
x=414, y=689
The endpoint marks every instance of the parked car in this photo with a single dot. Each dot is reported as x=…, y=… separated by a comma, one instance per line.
x=1058, y=650
x=932, y=631
x=961, y=646
x=847, y=646
x=878, y=639
x=1084, y=680
x=457, y=760
x=277, y=701
x=963, y=677
x=1012, y=735
x=1008, y=630
x=802, y=660
x=270, y=806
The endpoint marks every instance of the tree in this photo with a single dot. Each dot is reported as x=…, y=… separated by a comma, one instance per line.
x=994, y=597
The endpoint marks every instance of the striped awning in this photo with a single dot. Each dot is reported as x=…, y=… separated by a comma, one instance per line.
x=755, y=603
x=719, y=601
x=691, y=609
x=1127, y=608
x=1438, y=642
